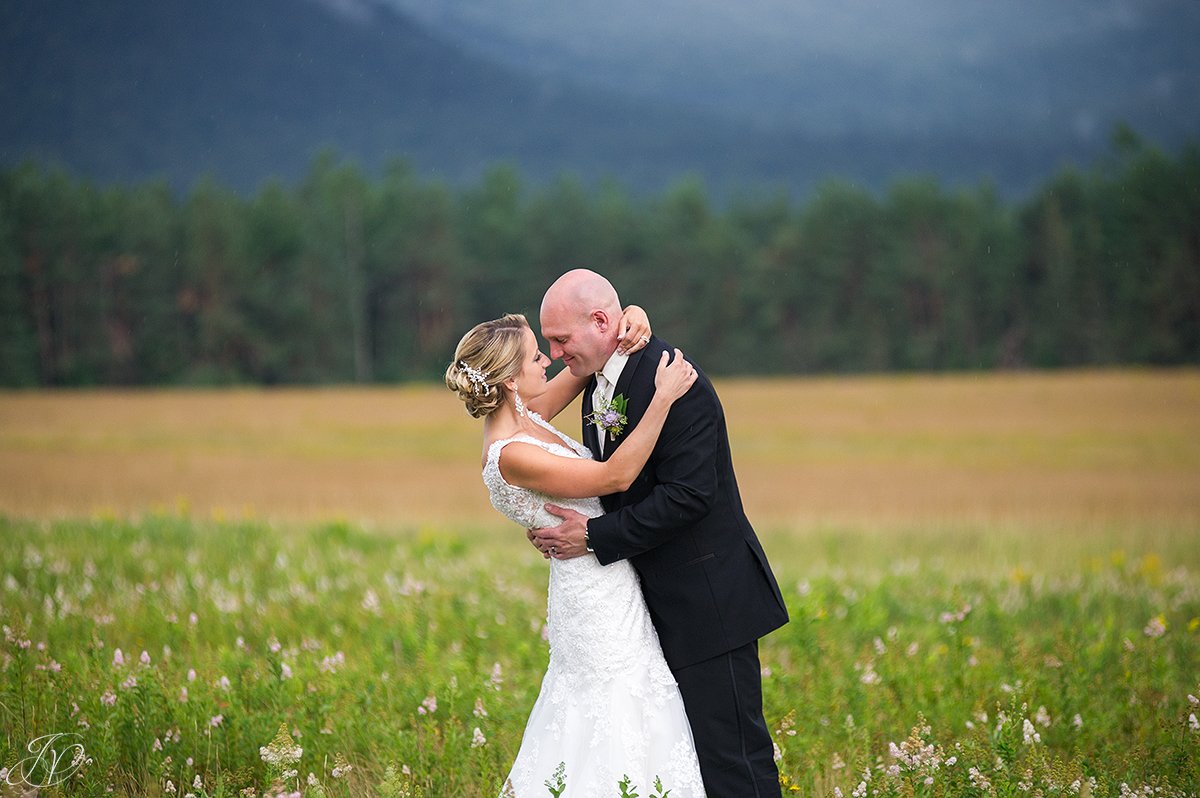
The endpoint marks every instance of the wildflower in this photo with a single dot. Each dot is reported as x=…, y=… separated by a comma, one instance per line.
x=869, y=676
x=956, y=617
x=880, y=648
x=479, y=711
x=129, y=683
x=979, y=780
x=497, y=678
x=477, y=738
x=340, y=766
x=170, y=786
x=216, y=720
x=193, y=619
x=118, y=658
x=1042, y=717
x=838, y=763
x=191, y=677
x=108, y=699
x=1031, y=735
x=144, y=658
x=1077, y=721
x=157, y=745
x=223, y=683
x=282, y=750
x=428, y=706
x=284, y=671
x=183, y=695
x=370, y=602
x=1157, y=627
x=1193, y=724
x=312, y=779
x=197, y=783
x=332, y=663
x=273, y=644
x=1193, y=700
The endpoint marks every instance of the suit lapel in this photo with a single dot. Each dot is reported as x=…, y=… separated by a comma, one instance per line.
x=590, y=438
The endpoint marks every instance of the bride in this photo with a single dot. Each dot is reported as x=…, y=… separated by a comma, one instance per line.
x=608, y=707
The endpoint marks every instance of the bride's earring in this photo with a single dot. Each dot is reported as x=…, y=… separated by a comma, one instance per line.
x=518, y=404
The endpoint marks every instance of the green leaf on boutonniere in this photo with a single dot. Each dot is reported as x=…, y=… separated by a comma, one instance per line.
x=610, y=416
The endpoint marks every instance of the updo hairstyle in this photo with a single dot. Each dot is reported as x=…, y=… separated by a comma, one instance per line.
x=486, y=356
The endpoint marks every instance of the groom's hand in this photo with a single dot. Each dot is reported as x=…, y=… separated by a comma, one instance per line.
x=564, y=541
x=532, y=535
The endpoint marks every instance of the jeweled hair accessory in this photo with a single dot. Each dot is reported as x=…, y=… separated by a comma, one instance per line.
x=478, y=378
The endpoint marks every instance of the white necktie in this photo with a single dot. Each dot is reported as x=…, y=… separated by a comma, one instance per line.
x=600, y=399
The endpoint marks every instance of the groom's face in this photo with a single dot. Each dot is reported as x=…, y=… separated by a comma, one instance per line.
x=580, y=341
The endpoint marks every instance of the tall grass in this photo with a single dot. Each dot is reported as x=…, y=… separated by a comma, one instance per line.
x=407, y=660
x=994, y=583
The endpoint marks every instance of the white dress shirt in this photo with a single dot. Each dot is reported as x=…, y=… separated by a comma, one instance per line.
x=606, y=381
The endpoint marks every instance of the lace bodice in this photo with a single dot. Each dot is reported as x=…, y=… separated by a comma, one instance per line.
x=522, y=505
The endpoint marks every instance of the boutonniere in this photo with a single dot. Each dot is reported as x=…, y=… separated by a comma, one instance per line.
x=610, y=416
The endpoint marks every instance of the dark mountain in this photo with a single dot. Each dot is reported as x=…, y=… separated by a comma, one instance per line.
x=245, y=91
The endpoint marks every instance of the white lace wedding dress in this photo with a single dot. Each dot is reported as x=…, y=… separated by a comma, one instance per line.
x=609, y=706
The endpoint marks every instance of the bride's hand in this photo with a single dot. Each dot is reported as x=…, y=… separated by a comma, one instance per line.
x=672, y=381
x=635, y=330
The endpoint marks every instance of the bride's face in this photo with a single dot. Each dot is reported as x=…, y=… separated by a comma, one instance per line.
x=531, y=381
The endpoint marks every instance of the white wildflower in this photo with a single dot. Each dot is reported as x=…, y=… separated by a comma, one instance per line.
x=1157, y=627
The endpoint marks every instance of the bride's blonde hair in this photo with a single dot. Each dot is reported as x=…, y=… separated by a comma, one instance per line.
x=487, y=355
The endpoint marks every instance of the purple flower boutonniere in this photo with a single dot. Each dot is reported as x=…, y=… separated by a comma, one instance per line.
x=610, y=417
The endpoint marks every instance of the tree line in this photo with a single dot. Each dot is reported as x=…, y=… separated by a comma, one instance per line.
x=346, y=277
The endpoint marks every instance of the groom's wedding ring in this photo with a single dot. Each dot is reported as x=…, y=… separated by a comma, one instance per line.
x=645, y=339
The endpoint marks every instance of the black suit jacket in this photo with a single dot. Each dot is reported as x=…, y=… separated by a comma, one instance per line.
x=706, y=580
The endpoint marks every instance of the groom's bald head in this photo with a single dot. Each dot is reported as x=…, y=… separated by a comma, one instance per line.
x=581, y=318
x=580, y=291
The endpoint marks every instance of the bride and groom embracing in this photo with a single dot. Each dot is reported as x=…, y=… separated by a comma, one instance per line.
x=659, y=588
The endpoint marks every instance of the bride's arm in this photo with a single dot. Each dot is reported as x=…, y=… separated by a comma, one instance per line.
x=563, y=387
x=532, y=467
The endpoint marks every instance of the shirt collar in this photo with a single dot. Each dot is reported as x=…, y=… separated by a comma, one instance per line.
x=613, y=368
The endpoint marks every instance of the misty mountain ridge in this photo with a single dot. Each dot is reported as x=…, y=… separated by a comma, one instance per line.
x=249, y=91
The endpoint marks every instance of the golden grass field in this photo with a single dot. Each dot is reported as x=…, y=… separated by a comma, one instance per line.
x=1075, y=448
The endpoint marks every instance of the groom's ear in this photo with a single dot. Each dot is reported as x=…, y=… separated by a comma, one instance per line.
x=601, y=319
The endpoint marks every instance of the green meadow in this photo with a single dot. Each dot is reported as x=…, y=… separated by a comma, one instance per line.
x=1043, y=640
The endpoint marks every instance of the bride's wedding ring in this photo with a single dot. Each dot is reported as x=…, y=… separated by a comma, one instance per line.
x=554, y=549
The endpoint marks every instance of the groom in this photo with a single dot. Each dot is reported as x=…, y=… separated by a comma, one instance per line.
x=707, y=583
